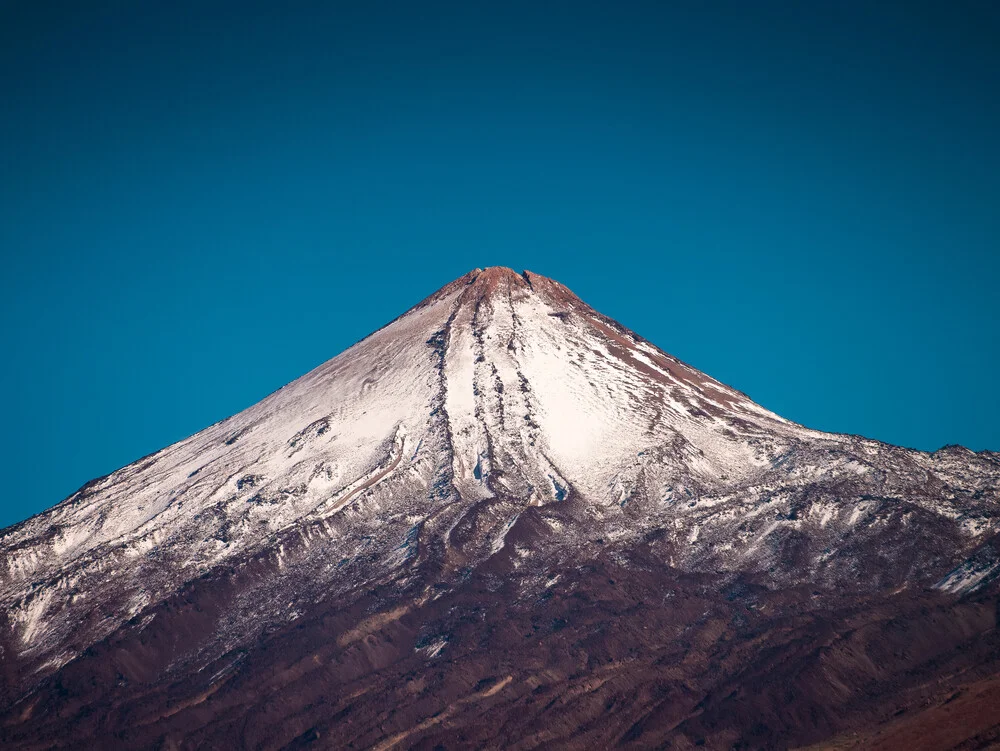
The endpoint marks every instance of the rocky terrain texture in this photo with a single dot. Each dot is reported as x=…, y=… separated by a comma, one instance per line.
x=505, y=521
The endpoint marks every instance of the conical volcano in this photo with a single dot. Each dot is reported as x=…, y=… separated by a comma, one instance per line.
x=505, y=520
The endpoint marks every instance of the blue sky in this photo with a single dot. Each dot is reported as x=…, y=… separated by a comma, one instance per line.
x=198, y=204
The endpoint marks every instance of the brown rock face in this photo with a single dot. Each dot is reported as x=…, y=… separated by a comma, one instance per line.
x=506, y=521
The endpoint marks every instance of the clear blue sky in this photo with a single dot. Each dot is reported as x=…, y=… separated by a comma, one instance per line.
x=201, y=201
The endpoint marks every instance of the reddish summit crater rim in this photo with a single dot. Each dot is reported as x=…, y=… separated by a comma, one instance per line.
x=493, y=275
x=504, y=279
x=503, y=282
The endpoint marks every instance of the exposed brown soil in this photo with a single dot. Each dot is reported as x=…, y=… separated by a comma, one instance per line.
x=622, y=653
x=969, y=718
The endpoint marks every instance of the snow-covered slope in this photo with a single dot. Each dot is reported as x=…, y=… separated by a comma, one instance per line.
x=430, y=440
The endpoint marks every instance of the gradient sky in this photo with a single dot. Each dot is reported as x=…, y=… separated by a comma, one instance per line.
x=201, y=201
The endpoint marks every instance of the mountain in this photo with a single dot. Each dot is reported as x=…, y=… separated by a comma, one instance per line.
x=505, y=520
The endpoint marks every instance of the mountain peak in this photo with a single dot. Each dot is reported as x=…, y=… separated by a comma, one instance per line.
x=495, y=272
x=495, y=279
x=504, y=283
x=492, y=281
